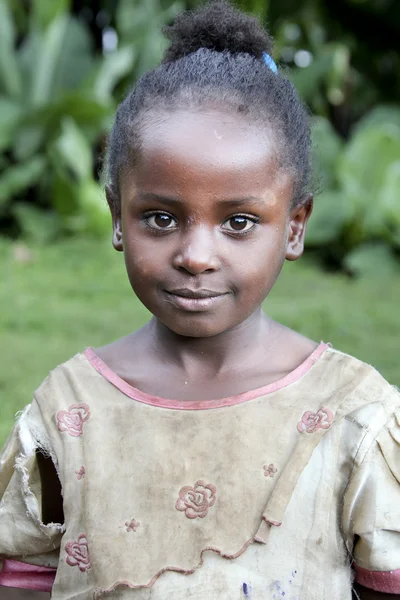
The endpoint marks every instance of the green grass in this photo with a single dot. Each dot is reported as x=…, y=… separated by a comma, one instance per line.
x=76, y=294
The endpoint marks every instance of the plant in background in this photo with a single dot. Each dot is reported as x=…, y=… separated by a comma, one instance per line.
x=55, y=104
x=326, y=44
x=357, y=216
x=64, y=67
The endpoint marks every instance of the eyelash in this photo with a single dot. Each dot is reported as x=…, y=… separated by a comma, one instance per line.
x=232, y=232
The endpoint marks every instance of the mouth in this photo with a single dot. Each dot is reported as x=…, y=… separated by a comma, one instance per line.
x=195, y=300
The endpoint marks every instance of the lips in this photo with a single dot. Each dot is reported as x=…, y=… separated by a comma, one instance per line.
x=187, y=293
x=195, y=300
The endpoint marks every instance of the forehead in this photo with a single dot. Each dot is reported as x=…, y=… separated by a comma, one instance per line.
x=206, y=151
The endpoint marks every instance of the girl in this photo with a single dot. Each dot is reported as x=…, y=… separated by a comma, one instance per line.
x=214, y=453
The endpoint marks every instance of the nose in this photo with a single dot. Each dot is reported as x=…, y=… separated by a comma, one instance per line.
x=197, y=252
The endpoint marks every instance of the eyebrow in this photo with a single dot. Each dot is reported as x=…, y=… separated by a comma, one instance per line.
x=253, y=200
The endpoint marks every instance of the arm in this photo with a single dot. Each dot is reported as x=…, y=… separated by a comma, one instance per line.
x=52, y=506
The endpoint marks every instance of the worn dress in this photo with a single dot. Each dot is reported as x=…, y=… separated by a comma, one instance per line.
x=285, y=491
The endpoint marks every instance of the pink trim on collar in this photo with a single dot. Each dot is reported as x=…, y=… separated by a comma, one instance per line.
x=387, y=582
x=140, y=396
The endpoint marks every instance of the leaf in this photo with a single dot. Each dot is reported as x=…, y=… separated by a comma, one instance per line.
x=372, y=260
x=331, y=213
x=64, y=196
x=390, y=194
x=10, y=76
x=390, y=202
x=362, y=172
x=307, y=80
x=49, y=52
x=87, y=111
x=41, y=125
x=94, y=207
x=381, y=115
x=37, y=225
x=338, y=75
x=44, y=11
x=62, y=59
x=10, y=115
x=17, y=178
x=113, y=68
x=74, y=151
x=140, y=23
x=93, y=215
x=327, y=146
x=76, y=60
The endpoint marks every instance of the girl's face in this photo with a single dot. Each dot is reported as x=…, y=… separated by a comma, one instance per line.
x=205, y=220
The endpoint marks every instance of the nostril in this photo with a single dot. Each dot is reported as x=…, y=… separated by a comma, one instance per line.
x=195, y=266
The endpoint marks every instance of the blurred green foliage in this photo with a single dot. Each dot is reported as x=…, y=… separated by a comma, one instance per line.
x=64, y=66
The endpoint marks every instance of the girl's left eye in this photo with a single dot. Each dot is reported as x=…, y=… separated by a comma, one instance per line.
x=160, y=221
x=239, y=224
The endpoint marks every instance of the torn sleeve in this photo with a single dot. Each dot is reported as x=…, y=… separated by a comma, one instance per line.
x=28, y=547
x=372, y=511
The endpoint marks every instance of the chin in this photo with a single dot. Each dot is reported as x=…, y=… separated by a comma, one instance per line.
x=196, y=330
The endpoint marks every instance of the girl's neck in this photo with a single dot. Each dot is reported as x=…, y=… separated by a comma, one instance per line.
x=230, y=350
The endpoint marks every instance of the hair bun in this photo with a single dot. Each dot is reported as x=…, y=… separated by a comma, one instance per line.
x=217, y=26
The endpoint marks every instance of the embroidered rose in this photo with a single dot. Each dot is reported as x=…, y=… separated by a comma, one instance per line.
x=81, y=473
x=312, y=421
x=195, y=501
x=270, y=470
x=78, y=553
x=72, y=420
x=132, y=525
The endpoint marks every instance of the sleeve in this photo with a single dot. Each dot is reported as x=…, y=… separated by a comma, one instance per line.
x=28, y=547
x=372, y=508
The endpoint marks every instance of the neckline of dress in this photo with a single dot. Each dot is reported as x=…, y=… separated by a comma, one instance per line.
x=135, y=394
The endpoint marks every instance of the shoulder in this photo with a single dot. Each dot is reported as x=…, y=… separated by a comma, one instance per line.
x=362, y=377
x=65, y=378
x=362, y=394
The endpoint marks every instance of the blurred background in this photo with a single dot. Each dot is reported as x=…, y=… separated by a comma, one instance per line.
x=64, y=67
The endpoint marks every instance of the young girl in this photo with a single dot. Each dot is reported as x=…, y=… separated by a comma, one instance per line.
x=214, y=453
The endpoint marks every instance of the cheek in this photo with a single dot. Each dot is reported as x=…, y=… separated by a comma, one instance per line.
x=260, y=265
x=141, y=264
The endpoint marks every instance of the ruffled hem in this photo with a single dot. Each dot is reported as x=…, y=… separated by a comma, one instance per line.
x=98, y=592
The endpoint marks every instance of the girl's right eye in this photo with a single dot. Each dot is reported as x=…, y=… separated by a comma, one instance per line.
x=160, y=221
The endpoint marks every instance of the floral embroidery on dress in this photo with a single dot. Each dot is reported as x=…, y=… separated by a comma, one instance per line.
x=78, y=553
x=270, y=470
x=195, y=501
x=72, y=420
x=132, y=525
x=312, y=421
x=81, y=473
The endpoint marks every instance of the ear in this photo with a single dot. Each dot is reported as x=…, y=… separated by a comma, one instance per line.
x=299, y=216
x=115, y=209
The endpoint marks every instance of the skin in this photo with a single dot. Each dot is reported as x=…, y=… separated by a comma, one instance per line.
x=206, y=207
x=231, y=170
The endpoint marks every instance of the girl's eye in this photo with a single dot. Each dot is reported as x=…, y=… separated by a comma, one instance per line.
x=239, y=223
x=160, y=221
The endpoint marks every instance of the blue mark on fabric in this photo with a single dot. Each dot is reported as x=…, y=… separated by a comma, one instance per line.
x=245, y=590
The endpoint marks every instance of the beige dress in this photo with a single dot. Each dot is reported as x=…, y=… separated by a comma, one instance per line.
x=277, y=493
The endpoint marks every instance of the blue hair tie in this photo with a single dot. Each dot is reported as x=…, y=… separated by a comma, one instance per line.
x=269, y=61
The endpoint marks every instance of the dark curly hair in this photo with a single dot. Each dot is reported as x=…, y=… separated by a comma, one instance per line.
x=215, y=60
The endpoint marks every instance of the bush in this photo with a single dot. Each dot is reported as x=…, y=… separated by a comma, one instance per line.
x=60, y=84
x=359, y=204
x=56, y=104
